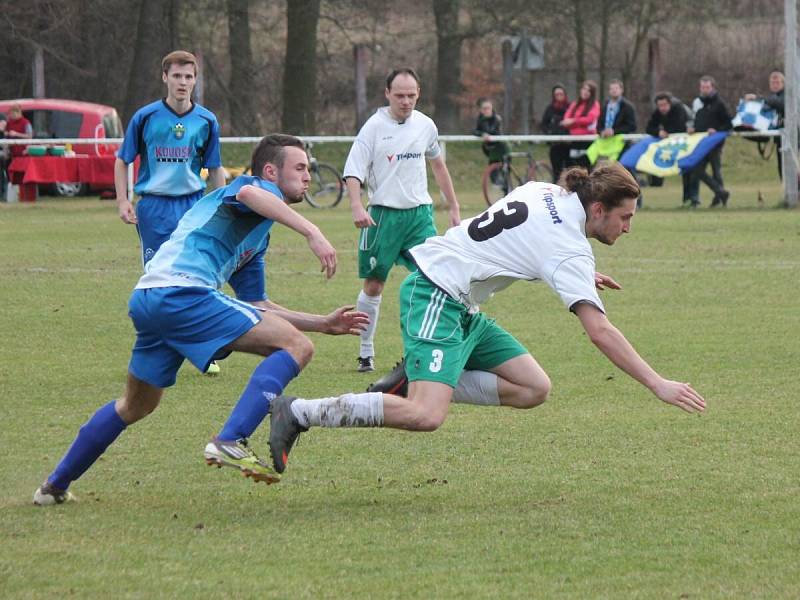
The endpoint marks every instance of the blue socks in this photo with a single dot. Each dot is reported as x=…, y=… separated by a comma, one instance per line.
x=93, y=439
x=268, y=381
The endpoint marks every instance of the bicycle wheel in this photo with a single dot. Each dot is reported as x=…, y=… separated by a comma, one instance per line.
x=540, y=170
x=325, y=190
x=494, y=183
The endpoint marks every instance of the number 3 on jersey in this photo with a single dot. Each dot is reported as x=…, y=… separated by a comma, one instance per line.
x=494, y=221
x=436, y=364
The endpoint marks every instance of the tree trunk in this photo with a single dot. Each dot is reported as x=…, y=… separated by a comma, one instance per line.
x=241, y=99
x=150, y=46
x=300, y=67
x=605, y=21
x=448, y=66
x=580, y=43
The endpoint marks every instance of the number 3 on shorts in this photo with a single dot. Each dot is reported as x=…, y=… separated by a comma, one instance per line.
x=436, y=363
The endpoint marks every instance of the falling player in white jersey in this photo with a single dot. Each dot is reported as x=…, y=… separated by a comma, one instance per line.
x=539, y=232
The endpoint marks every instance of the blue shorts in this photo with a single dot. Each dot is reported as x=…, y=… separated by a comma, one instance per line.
x=158, y=217
x=177, y=323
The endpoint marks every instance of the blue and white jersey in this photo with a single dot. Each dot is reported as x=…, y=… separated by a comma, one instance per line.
x=173, y=148
x=217, y=236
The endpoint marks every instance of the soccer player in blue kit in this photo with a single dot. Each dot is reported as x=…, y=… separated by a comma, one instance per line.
x=179, y=313
x=175, y=138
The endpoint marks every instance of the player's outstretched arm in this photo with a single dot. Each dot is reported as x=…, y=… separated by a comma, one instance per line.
x=270, y=206
x=445, y=183
x=619, y=351
x=344, y=320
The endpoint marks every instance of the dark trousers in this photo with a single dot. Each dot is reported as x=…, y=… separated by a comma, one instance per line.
x=559, y=157
x=713, y=181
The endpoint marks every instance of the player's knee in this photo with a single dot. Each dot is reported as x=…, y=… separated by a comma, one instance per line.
x=536, y=394
x=428, y=420
x=301, y=348
x=133, y=408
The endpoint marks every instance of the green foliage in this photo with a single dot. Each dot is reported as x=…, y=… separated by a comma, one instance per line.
x=601, y=492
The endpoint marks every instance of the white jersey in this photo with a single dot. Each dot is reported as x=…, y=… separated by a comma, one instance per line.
x=537, y=232
x=390, y=157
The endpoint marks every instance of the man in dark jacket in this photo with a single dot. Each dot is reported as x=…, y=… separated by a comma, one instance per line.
x=617, y=115
x=670, y=116
x=711, y=114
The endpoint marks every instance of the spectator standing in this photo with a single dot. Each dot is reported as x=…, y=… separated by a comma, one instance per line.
x=551, y=125
x=711, y=114
x=18, y=127
x=670, y=116
x=776, y=102
x=581, y=119
x=489, y=123
x=618, y=114
x=389, y=156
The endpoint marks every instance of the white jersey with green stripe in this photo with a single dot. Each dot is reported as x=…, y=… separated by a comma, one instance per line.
x=536, y=233
x=389, y=156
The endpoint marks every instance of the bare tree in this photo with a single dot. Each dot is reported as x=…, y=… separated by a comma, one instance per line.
x=241, y=98
x=300, y=67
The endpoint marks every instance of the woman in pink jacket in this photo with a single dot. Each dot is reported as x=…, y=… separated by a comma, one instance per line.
x=581, y=119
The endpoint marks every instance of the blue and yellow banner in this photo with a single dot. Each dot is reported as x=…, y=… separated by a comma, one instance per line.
x=673, y=155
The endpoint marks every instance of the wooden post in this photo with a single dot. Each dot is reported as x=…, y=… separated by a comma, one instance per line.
x=508, y=81
x=789, y=145
x=360, y=65
x=654, y=68
x=38, y=72
x=525, y=100
x=199, y=86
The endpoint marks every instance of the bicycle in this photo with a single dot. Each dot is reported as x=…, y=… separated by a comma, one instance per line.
x=326, y=188
x=499, y=178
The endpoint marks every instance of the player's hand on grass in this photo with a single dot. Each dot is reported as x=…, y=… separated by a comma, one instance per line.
x=323, y=250
x=681, y=395
x=127, y=212
x=361, y=217
x=346, y=320
x=602, y=282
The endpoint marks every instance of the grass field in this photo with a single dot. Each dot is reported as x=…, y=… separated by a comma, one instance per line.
x=602, y=492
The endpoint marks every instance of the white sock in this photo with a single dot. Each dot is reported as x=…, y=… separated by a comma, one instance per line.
x=347, y=410
x=477, y=387
x=372, y=306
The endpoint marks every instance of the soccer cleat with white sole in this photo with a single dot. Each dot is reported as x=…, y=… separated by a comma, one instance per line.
x=238, y=455
x=366, y=364
x=47, y=495
x=213, y=368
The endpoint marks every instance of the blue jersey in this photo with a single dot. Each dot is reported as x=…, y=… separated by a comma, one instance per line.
x=217, y=236
x=173, y=148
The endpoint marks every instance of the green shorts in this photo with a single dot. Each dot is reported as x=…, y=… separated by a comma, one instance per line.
x=441, y=339
x=395, y=231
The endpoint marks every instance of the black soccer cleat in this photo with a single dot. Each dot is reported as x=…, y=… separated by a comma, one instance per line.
x=283, y=432
x=394, y=382
x=366, y=364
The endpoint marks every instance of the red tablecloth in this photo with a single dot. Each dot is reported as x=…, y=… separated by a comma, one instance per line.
x=94, y=170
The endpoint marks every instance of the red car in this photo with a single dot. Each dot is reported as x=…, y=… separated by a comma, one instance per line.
x=55, y=118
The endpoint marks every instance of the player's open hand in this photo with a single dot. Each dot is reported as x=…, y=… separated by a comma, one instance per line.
x=361, y=218
x=602, y=282
x=346, y=320
x=681, y=395
x=323, y=250
x=127, y=212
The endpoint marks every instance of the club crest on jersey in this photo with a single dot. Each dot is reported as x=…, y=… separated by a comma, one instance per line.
x=179, y=130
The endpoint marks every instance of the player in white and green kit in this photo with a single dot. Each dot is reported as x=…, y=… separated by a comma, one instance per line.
x=539, y=232
x=389, y=156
